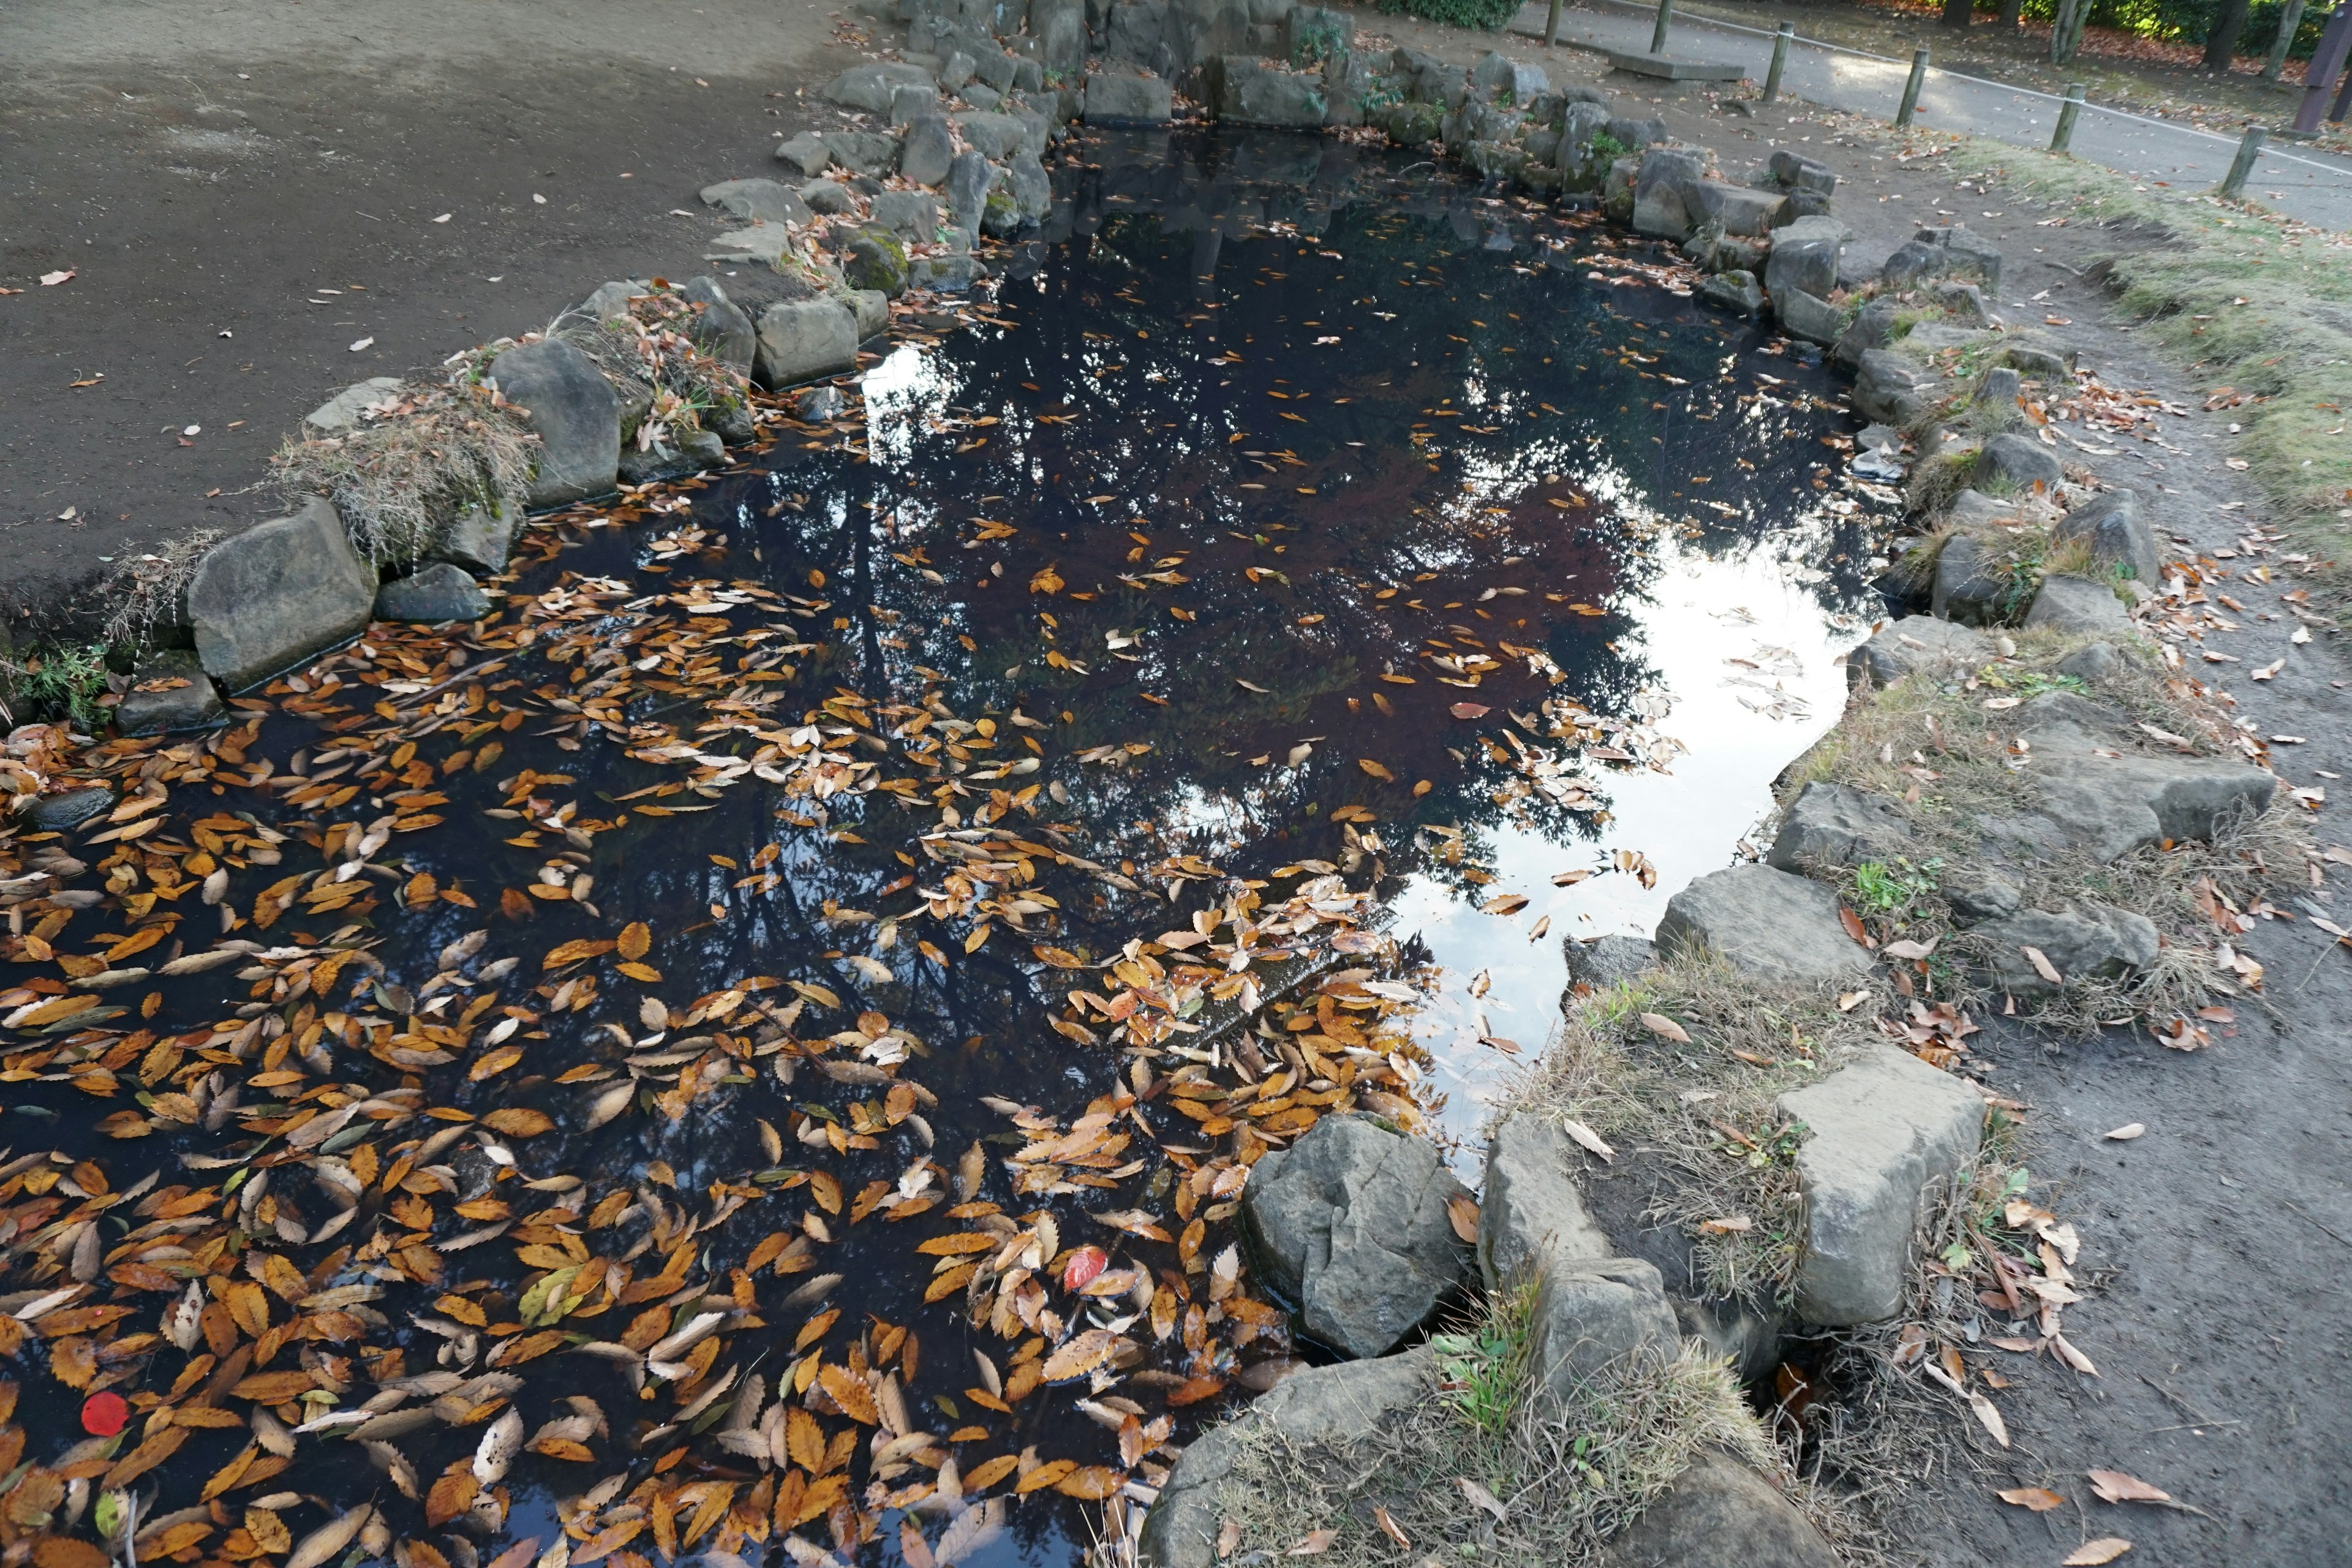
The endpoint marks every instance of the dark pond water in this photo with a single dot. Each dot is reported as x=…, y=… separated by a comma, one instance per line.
x=1299, y=532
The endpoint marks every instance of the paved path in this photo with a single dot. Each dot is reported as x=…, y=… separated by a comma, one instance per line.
x=2316, y=187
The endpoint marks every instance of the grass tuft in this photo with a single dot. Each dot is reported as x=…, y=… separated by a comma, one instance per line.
x=397, y=480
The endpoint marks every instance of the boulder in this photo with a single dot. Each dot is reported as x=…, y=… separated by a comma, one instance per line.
x=1801, y=315
x=1972, y=510
x=948, y=274
x=1495, y=78
x=1350, y=1225
x=1911, y=264
x=2093, y=793
x=2090, y=941
x=1136, y=34
x=864, y=152
x=801, y=339
x=2111, y=524
x=1719, y=1514
x=1610, y=959
x=1532, y=1218
x=868, y=86
x=1409, y=124
x=1316, y=1407
x=1873, y=327
x=169, y=694
x=266, y=600
x=2021, y=462
x=479, y=538
x=1805, y=255
x=1965, y=254
x=2066, y=604
x=815, y=404
x=1795, y=172
x=869, y=309
x=1967, y=589
x=807, y=153
x=1312, y=33
x=829, y=199
x=1740, y=209
x=721, y=328
x=2093, y=663
x=1882, y=1133
x=768, y=244
x=757, y=201
x=1663, y=187
x=1242, y=89
x=441, y=591
x=1913, y=643
x=915, y=214
x=1765, y=922
x=928, y=152
x=995, y=137
x=1737, y=291
x=1121, y=100
x=1978, y=896
x=913, y=102
x=1998, y=393
x=876, y=259
x=341, y=412
x=69, y=809
x=1965, y=302
x=574, y=412
x=1836, y=825
x=1060, y=28
x=1031, y=187
x=1635, y=134
x=1592, y=1314
x=1888, y=386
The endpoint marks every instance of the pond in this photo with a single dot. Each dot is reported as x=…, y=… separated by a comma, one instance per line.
x=774, y=1024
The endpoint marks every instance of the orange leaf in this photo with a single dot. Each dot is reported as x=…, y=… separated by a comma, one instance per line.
x=1045, y=1475
x=2041, y=1500
x=1462, y=1213
x=452, y=1493
x=1853, y=927
x=849, y=1392
x=982, y=1477
x=1090, y=1483
x=637, y=941
x=518, y=1122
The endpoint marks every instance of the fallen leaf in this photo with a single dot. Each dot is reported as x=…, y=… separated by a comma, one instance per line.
x=2041, y=1500
x=1587, y=1137
x=1850, y=1000
x=2114, y=1486
x=51, y=280
x=1853, y=926
x=1907, y=949
x=1377, y=770
x=1469, y=711
x=1317, y=1541
x=1479, y=1497
x=2127, y=1131
x=1665, y=1028
x=637, y=941
x=1504, y=904
x=2091, y=1554
x=1389, y=1526
x=363, y=342
x=2041, y=966
x=1462, y=1213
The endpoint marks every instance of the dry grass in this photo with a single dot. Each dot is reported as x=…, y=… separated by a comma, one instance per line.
x=649, y=357
x=144, y=589
x=1569, y=1473
x=397, y=480
x=1702, y=1114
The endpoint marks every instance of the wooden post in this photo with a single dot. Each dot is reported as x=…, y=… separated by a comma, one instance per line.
x=2242, y=167
x=1911, y=88
x=1551, y=25
x=1658, y=33
x=2319, y=77
x=1780, y=61
x=2289, y=21
x=2068, y=113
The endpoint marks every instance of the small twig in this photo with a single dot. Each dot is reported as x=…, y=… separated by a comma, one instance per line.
x=2194, y=1425
x=2197, y=1418
x=2315, y=1220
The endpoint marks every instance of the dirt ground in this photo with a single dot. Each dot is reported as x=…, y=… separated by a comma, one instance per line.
x=211, y=174
x=215, y=182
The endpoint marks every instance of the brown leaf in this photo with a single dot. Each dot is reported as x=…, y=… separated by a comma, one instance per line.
x=1853, y=926
x=1045, y=1475
x=2091, y=1554
x=2114, y=1486
x=1375, y=769
x=849, y=1392
x=518, y=1122
x=1080, y=1355
x=66, y=1551
x=1469, y=711
x=1389, y=1526
x=1504, y=904
x=2041, y=1500
x=451, y=1495
x=2048, y=971
x=1090, y=1483
x=1587, y=1137
x=1316, y=1543
x=1461, y=1212
x=637, y=941
x=1665, y=1028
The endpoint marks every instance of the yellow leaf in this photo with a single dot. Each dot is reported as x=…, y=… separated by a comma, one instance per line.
x=641, y=972
x=1375, y=769
x=1045, y=1475
x=637, y=941
x=1080, y=1355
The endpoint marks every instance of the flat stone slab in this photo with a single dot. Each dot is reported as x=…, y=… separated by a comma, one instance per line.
x=170, y=694
x=1882, y=1133
x=1674, y=67
x=1532, y=1215
x=1766, y=923
x=1351, y=1225
x=341, y=412
x=266, y=600
x=1835, y=825
x=1915, y=643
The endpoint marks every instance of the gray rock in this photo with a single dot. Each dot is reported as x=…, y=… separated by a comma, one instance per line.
x=2094, y=663
x=1976, y=898
x=1795, y=172
x=341, y=412
x=1749, y=1335
x=1836, y=825
x=1972, y=510
x=1911, y=264
x=608, y=300
x=1591, y=1314
x=1242, y=90
x=757, y=201
x=1494, y=78
x=267, y=600
x=969, y=183
x=169, y=694
x=1998, y=390
x=945, y=274
x=1314, y=33
x=1739, y=208
x=1635, y=134
x=1965, y=302
x=1872, y=328
x=2119, y=537
x=768, y=244
x=1932, y=335
x=65, y=811
x=1805, y=255
x=801, y=339
x=1060, y=28
x=1664, y=198
x=2020, y=462
x=1136, y=32
x=439, y=593
x=1804, y=316
x=1737, y=291
x=957, y=71
x=479, y=538
x=1879, y=438
x=1032, y=187
x=1766, y=923
x=1888, y=386
x=817, y=405
x=1317, y=1407
x=1917, y=643
x=2078, y=605
x=830, y=198
x=1610, y=959
x=915, y=214
x=2091, y=941
x=863, y=152
x=574, y=412
x=995, y=137
x=1350, y=1224
x=911, y=101
x=721, y=328
x=1719, y=1514
x=875, y=259
x=2041, y=364
x=929, y=150
x=1882, y=1133
x=1531, y=1217
x=868, y=86
x=869, y=308
x=1967, y=589
x=807, y=153
x=1966, y=253
x=1117, y=99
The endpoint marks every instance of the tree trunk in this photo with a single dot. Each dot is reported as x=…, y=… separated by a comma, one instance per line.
x=1957, y=13
x=2010, y=11
x=2066, y=30
x=2289, y=20
x=2221, y=43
